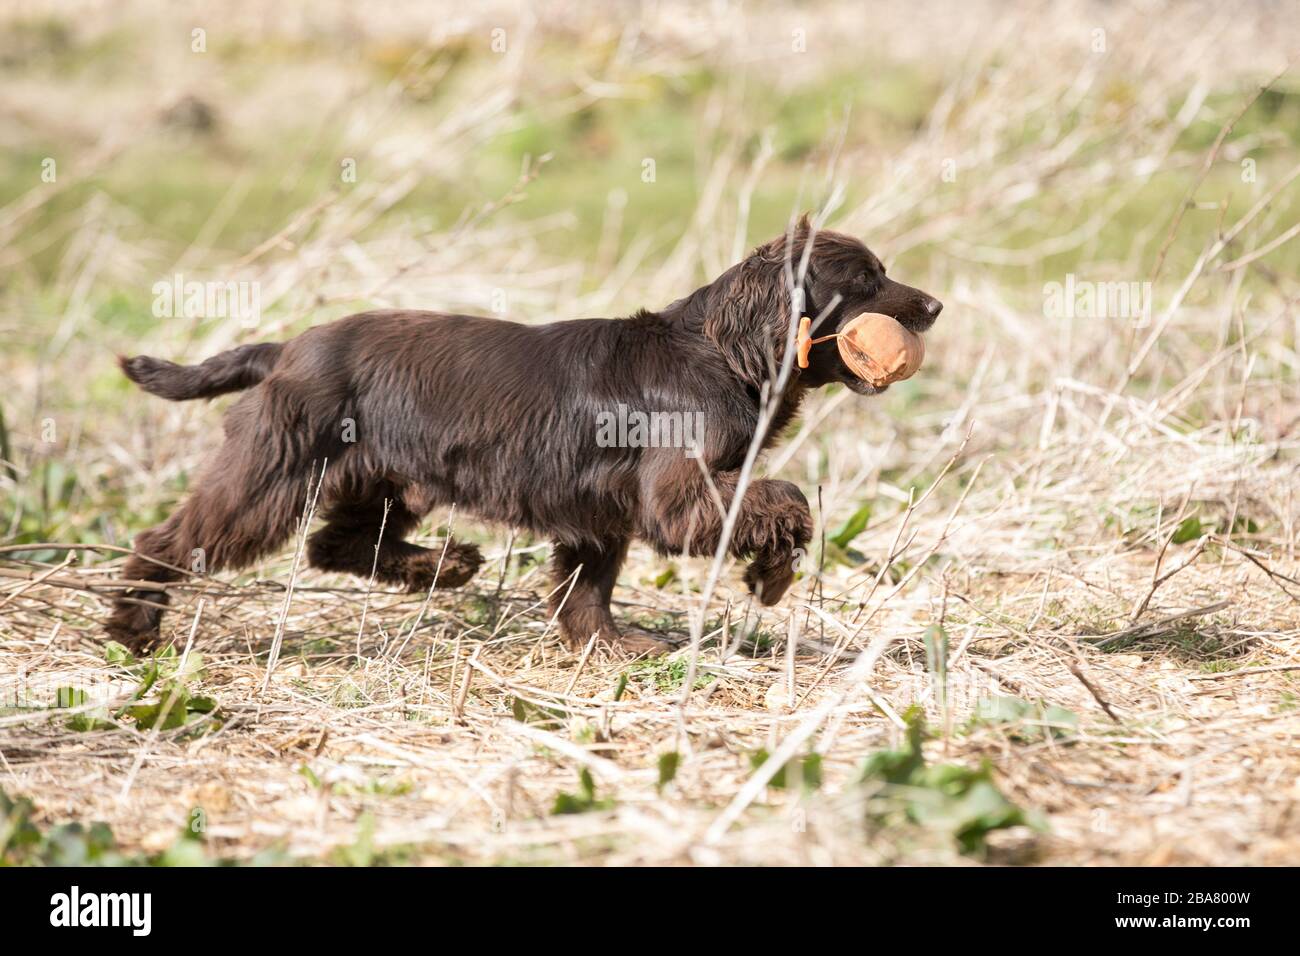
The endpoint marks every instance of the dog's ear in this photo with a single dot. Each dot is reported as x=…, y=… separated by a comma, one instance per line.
x=748, y=315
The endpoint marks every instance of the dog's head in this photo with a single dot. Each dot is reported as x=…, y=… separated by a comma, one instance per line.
x=748, y=313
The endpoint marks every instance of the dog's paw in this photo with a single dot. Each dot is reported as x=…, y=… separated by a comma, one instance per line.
x=769, y=577
x=630, y=642
x=449, y=568
x=620, y=643
x=136, y=626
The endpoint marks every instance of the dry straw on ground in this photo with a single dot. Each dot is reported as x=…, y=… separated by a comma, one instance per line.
x=1101, y=517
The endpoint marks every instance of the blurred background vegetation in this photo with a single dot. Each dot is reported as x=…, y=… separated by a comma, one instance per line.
x=967, y=155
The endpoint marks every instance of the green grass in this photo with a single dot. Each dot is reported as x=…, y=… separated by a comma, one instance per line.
x=666, y=675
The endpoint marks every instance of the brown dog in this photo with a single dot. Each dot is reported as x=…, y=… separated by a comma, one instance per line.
x=421, y=409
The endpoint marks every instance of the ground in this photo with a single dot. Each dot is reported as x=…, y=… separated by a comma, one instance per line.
x=1053, y=611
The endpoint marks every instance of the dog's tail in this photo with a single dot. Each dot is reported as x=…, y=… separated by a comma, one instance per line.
x=231, y=371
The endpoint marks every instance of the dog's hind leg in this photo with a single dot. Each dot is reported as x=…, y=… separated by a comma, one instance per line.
x=353, y=530
x=244, y=506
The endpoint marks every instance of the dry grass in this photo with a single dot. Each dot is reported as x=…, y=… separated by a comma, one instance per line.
x=1115, y=536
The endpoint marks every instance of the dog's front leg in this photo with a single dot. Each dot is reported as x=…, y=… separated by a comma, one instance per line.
x=775, y=525
x=685, y=512
x=583, y=578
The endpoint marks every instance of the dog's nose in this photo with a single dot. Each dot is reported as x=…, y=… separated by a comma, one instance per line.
x=933, y=307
